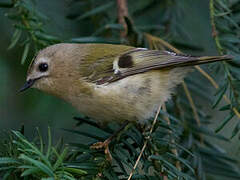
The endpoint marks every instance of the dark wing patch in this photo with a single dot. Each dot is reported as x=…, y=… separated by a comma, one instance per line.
x=125, y=61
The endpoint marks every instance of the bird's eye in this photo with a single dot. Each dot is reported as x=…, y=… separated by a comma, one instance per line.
x=43, y=67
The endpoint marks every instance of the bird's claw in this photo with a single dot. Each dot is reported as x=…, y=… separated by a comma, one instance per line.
x=103, y=145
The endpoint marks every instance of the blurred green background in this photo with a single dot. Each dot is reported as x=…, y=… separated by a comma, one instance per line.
x=32, y=108
x=36, y=109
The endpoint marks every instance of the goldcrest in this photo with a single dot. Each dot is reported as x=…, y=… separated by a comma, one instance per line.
x=111, y=82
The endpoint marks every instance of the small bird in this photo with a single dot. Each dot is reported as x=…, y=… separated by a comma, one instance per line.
x=111, y=82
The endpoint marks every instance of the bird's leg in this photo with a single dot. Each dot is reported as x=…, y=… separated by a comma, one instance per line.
x=105, y=144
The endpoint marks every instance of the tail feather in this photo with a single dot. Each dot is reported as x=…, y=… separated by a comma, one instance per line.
x=207, y=59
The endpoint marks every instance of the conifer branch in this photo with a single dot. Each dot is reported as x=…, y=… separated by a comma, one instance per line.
x=220, y=50
x=145, y=143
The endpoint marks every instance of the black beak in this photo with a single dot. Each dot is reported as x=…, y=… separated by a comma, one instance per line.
x=27, y=85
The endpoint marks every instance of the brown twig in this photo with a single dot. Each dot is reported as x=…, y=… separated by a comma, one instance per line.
x=145, y=143
x=190, y=99
x=122, y=12
x=214, y=29
x=165, y=44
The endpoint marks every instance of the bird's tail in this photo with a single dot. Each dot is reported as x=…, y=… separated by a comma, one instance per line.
x=205, y=59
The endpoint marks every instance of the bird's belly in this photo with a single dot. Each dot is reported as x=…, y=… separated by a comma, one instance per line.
x=135, y=98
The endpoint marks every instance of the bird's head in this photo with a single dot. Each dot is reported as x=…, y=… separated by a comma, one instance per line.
x=54, y=69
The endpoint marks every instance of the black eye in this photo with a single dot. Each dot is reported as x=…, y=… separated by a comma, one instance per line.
x=43, y=67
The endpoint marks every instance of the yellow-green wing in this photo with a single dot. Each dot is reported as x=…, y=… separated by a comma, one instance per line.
x=116, y=62
x=97, y=61
x=141, y=60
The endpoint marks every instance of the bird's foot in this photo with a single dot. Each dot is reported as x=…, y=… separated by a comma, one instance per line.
x=103, y=145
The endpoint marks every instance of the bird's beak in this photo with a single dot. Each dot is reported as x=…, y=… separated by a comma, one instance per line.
x=27, y=85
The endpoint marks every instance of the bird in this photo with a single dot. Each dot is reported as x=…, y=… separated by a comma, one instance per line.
x=111, y=83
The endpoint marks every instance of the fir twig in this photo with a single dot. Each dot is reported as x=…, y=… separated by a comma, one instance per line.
x=145, y=143
x=220, y=50
x=216, y=86
x=214, y=29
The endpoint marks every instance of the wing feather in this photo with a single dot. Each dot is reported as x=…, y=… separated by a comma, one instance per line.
x=121, y=63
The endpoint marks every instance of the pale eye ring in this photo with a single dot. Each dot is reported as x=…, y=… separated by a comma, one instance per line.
x=43, y=67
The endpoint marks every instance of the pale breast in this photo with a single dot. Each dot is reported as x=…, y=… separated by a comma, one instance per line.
x=135, y=98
